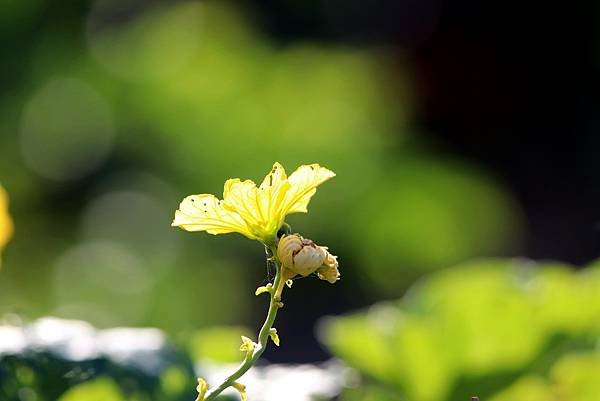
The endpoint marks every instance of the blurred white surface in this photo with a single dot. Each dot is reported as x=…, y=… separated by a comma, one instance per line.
x=277, y=382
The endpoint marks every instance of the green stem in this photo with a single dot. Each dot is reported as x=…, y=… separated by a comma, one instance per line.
x=263, y=335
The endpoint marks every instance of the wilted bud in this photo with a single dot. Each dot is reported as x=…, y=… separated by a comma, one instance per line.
x=329, y=270
x=300, y=255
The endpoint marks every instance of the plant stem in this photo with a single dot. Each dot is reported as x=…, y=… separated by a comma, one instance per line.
x=263, y=335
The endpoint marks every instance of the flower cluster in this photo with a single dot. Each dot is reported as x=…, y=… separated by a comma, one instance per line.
x=259, y=212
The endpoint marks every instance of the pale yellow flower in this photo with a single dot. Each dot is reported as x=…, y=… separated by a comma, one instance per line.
x=256, y=212
x=6, y=224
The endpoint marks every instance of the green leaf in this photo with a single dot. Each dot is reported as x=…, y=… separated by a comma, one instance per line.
x=485, y=328
x=577, y=377
x=101, y=389
x=530, y=388
x=174, y=380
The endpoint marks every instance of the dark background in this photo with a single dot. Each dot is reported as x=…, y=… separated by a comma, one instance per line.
x=511, y=85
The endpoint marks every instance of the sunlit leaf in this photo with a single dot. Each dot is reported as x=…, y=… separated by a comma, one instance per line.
x=101, y=389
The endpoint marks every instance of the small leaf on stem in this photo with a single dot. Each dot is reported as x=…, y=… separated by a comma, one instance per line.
x=274, y=336
x=201, y=388
x=247, y=345
x=265, y=288
x=241, y=389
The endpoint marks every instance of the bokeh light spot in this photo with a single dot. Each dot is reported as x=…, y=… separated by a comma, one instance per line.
x=102, y=277
x=67, y=130
x=137, y=221
x=137, y=42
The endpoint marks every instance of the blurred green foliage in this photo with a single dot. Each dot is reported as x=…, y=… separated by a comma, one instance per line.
x=101, y=389
x=218, y=343
x=513, y=328
x=114, y=117
x=428, y=213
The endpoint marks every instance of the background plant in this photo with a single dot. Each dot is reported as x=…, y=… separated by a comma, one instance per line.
x=502, y=329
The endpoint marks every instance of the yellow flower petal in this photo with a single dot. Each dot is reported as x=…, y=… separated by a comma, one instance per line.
x=273, y=190
x=206, y=213
x=6, y=224
x=256, y=212
x=243, y=198
x=275, y=178
x=303, y=185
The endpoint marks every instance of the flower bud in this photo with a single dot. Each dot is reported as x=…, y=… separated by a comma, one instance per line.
x=287, y=247
x=329, y=270
x=300, y=255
